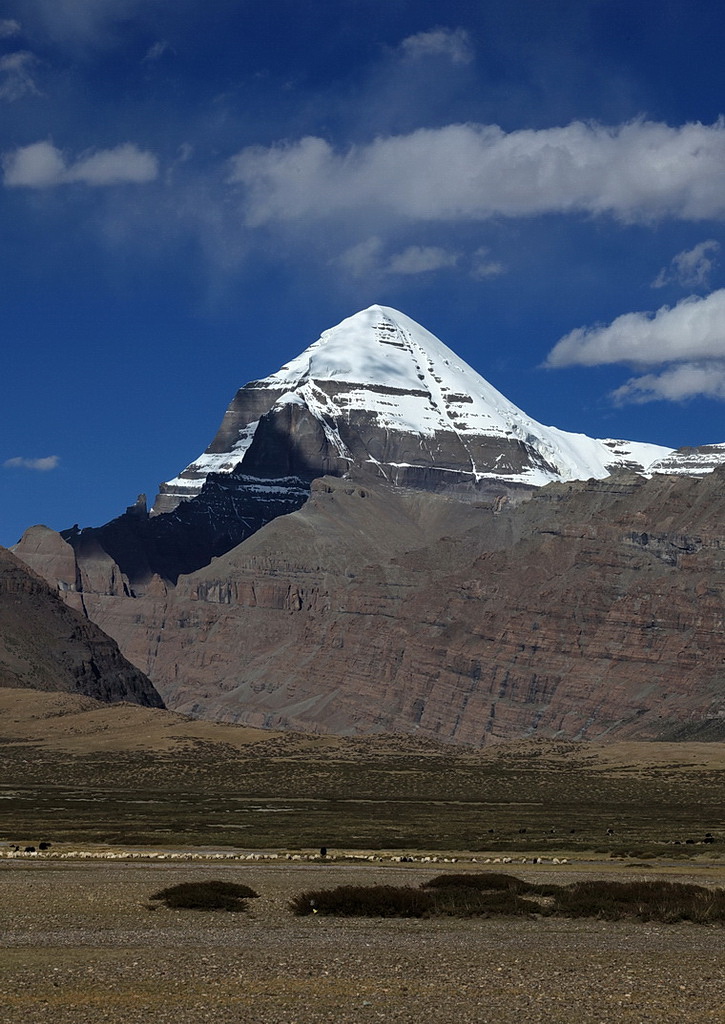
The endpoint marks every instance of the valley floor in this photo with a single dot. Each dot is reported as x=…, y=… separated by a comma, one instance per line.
x=81, y=944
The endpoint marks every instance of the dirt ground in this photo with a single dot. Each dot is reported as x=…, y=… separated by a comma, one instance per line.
x=80, y=943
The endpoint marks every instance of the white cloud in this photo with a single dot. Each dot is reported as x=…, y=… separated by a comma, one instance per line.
x=694, y=329
x=440, y=42
x=42, y=165
x=641, y=171
x=484, y=266
x=16, y=79
x=42, y=465
x=125, y=163
x=675, y=383
x=686, y=342
x=9, y=27
x=419, y=259
x=690, y=268
x=35, y=166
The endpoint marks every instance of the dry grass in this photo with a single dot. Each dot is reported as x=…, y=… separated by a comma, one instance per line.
x=79, y=772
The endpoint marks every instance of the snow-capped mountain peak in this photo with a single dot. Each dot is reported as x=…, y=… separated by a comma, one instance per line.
x=380, y=393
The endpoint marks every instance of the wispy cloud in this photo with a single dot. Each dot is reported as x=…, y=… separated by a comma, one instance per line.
x=9, y=28
x=420, y=259
x=42, y=165
x=636, y=172
x=455, y=44
x=157, y=50
x=80, y=21
x=690, y=268
x=41, y=465
x=16, y=79
x=362, y=259
x=369, y=259
x=483, y=266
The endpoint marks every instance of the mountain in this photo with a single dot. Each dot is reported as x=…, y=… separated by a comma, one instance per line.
x=380, y=395
x=47, y=645
x=377, y=397
x=377, y=540
x=593, y=610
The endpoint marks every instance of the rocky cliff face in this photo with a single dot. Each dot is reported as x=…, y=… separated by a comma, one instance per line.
x=47, y=645
x=593, y=610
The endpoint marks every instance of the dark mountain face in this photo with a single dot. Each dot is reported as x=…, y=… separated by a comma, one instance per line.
x=227, y=510
x=46, y=645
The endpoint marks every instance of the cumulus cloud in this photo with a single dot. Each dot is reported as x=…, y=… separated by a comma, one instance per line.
x=455, y=44
x=690, y=268
x=675, y=384
x=9, y=27
x=16, y=79
x=640, y=171
x=42, y=165
x=41, y=465
x=684, y=344
x=694, y=329
x=419, y=259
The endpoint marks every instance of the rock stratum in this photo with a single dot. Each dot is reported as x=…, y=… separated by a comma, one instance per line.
x=379, y=541
x=594, y=610
x=47, y=645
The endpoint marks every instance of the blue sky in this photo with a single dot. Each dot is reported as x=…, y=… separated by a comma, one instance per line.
x=191, y=192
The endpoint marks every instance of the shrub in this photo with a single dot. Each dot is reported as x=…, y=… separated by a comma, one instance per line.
x=467, y=901
x=212, y=895
x=485, y=880
x=489, y=893
x=449, y=898
x=365, y=901
x=647, y=900
x=491, y=881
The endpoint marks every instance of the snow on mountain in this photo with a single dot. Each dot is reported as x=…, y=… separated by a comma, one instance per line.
x=386, y=393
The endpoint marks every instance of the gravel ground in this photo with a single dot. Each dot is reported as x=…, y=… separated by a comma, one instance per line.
x=80, y=944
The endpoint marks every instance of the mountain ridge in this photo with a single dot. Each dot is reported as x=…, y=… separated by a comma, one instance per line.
x=366, y=556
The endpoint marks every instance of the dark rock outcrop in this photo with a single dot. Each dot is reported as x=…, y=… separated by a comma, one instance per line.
x=228, y=509
x=47, y=645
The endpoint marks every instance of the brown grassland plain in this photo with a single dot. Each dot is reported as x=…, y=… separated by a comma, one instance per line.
x=82, y=942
